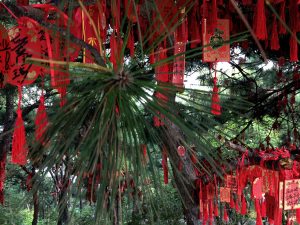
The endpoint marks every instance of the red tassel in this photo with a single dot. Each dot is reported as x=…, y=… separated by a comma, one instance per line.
x=244, y=206
x=211, y=218
x=298, y=215
x=237, y=207
x=113, y=50
x=260, y=26
x=216, y=209
x=263, y=209
x=231, y=203
x=282, y=29
x=130, y=44
x=258, y=212
x=215, y=106
x=165, y=165
x=225, y=215
x=274, y=37
x=205, y=213
x=41, y=120
x=293, y=48
x=19, y=146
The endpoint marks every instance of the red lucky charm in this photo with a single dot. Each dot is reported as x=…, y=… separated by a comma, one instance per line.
x=4, y=55
x=19, y=146
x=291, y=194
x=224, y=194
x=179, y=64
x=25, y=43
x=215, y=48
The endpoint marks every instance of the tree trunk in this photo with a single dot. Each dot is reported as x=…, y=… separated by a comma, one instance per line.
x=5, y=137
x=184, y=179
x=63, y=216
x=35, y=208
x=8, y=121
x=186, y=188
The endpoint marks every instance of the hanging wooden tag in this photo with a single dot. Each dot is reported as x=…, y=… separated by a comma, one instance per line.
x=224, y=194
x=231, y=182
x=291, y=194
x=214, y=47
x=25, y=42
x=257, y=188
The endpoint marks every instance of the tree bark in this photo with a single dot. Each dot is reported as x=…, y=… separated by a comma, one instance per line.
x=63, y=216
x=8, y=121
x=35, y=208
x=184, y=179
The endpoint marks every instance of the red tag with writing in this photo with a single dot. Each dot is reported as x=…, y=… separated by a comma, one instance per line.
x=214, y=47
x=291, y=194
x=25, y=42
x=231, y=182
x=224, y=194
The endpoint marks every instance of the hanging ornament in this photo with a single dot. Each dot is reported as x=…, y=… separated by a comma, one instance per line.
x=225, y=215
x=41, y=120
x=258, y=212
x=260, y=25
x=216, y=209
x=19, y=146
x=215, y=103
x=89, y=34
x=24, y=43
x=263, y=208
x=162, y=68
x=179, y=50
x=214, y=47
x=293, y=48
x=165, y=165
x=274, y=36
x=244, y=206
x=282, y=29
